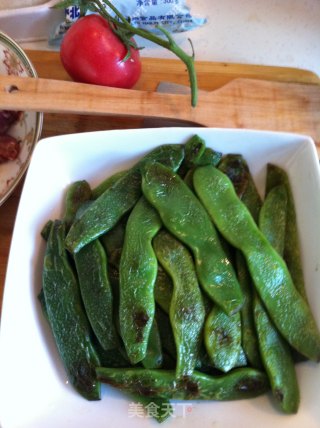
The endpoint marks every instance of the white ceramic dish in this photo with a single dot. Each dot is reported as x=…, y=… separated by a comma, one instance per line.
x=13, y=61
x=34, y=392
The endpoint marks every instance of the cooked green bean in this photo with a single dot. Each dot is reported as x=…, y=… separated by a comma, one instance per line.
x=163, y=289
x=96, y=292
x=112, y=241
x=166, y=333
x=45, y=231
x=222, y=337
x=154, y=355
x=105, y=211
x=105, y=184
x=238, y=384
x=138, y=271
x=67, y=319
x=237, y=169
x=198, y=154
x=77, y=193
x=291, y=254
x=249, y=337
x=275, y=352
x=194, y=149
x=186, y=307
x=183, y=214
x=290, y=313
x=115, y=357
x=118, y=199
x=277, y=361
x=273, y=217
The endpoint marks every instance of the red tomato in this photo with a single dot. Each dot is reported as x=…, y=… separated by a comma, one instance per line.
x=92, y=53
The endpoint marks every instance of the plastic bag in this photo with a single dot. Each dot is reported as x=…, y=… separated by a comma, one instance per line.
x=173, y=15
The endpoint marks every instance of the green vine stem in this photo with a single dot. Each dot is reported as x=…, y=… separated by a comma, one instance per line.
x=123, y=28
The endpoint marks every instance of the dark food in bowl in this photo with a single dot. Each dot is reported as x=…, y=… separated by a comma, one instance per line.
x=9, y=146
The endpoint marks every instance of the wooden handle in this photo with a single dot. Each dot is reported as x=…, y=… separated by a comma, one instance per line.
x=241, y=103
x=57, y=96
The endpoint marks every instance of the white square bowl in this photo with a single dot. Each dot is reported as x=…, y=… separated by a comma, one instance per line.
x=34, y=391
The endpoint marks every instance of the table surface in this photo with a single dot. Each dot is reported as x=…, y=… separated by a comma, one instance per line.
x=210, y=76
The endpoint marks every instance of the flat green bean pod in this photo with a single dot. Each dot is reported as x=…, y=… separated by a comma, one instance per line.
x=154, y=354
x=238, y=384
x=273, y=217
x=105, y=211
x=277, y=361
x=163, y=289
x=237, y=169
x=288, y=310
x=275, y=352
x=66, y=316
x=96, y=292
x=118, y=199
x=249, y=337
x=138, y=272
x=112, y=241
x=222, y=337
x=196, y=153
x=291, y=253
x=115, y=357
x=166, y=333
x=194, y=149
x=185, y=217
x=105, y=184
x=77, y=193
x=186, y=307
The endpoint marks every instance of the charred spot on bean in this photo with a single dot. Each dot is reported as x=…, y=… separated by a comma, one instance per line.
x=82, y=376
x=194, y=153
x=146, y=391
x=249, y=385
x=191, y=387
x=164, y=178
x=141, y=318
x=278, y=393
x=222, y=336
x=196, y=148
x=79, y=193
x=235, y=168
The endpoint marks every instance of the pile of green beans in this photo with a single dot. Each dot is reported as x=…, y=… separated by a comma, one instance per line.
x=174, y=280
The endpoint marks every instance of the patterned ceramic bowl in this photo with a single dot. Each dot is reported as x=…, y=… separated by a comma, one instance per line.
x=26, y=130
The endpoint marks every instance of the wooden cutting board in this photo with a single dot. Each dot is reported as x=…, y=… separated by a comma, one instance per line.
x=241, y=103
x=211, y=76
x=267, y=98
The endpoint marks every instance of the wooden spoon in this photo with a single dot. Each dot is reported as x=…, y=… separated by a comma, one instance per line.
x=242, y=103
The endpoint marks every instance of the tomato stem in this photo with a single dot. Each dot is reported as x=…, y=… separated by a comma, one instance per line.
x=124, y=30
x=187, y=59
